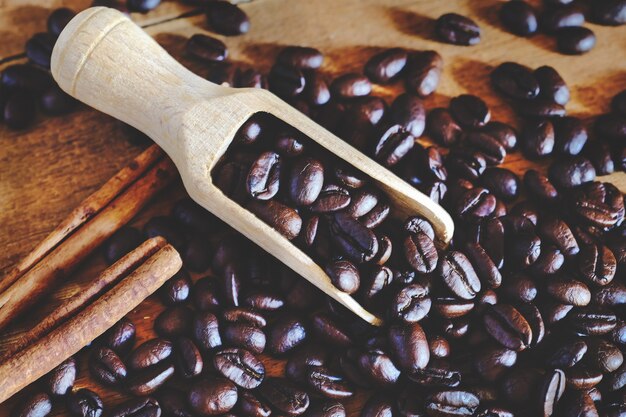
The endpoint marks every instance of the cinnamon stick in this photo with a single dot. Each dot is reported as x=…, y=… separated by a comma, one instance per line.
x=43, y=356
x=60, y=261
x=87, y=209
x=119, y=270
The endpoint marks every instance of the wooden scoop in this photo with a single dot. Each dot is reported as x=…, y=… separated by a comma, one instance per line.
x=103, y=59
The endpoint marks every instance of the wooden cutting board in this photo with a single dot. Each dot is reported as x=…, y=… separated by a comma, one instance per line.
x=48, y=169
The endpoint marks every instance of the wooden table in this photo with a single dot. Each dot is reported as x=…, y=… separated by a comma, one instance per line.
x=48, y=169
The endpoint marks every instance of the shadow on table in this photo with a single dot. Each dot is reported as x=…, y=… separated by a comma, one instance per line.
x=411, y=23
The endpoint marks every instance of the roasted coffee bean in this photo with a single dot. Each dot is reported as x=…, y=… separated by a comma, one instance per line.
x=409, y=112
x=19, y=109
x=39, y=48
x=519, y=17
x=409, y=346
x=316, y=90
x=502, y=132
x=61, y=379
x=393, y=145
x=327, y=409
x=611, y=126
x=251, y=406
x=357, y=241
x=550, y=261
x=411, y=303
x=567, y=353
x=459, y=275
x=142, y=6
x=176, y=289
x=491, y=149
x=451, y=307
x=613, y=294
x=378, y=405
x=174, y=321
x=456, y=29
x=120, y=337
x=603, y=355
x=205, y=331
x=206, y=48
x=286, y=334
x=212, y=396
x=540, y=186
x=551, y=391
x=150, y=353
x=344, y=275
x=58, y=19
x=575, y=40
x=597, y=264
x=264, y=300
x=577, y=403
x=226, y=18
x=611, y=12
x=448, y=403
x=244, y=315
x=246, y=336
x=56, y=102
x=442, y=127
x=301, y=57
x=350, y=85
x=221, y=73
x=420, y=252
x=327, y=383
x=583, y=377
x=231, y=284
x=378, y=367
x=600, y=156
x=283, y=218
x=196, y=255
x=285, y=397
x=484, y=266
x=167, y=228
x=556, y=231
x=174, y=403
x=492, y=362
x=264, y=176
x=591, y=321
x=416, y=224
x=538, y=138
x=540, y=108
x=515, y=80
x=508, y=327
x=475, y=204
x=423, y=72
x=36, y=405
x=329, y=330
x=286, y=81
x=240, y=366
x=26, y=77
x=469, y=110
x=386, y=66
x=120, y=243
x=306, y=181
x=302, y=359
x=205, y=295
x=84, y=403
x=570, y=135
x=618, y=103
x=520, y=287
x=137, y=407
x=502, y=182
x=331, y=198
x=571, y=172
x=187, y=358
x=555, y=18
x=552, y=86
x=106, y=367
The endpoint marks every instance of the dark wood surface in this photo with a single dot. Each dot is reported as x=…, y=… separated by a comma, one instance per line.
x=48, y=169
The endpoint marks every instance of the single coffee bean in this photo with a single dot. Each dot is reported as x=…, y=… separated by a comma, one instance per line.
x=150, y=353
x=568, y=291
x=556, y=18
x=475, y=204
x=120, y=337
x=176, y=289
x=106, y=366
x=515, y=80
x=246, y=336
x=316, y=89
x=206, y=48
x=492, y=362
x=540, y=108
x=583, y=377
x=286, y=334
x=26, y=77
x=577, y=403
x=423, y=72
x=205, y=331
x=240, y=366
x=575, y=40
x=570, y=135
x=331, y=198
x=409, y=346
x=137, y=407
x=306, y=181
x=301, y=57
x=459, y=275
x=58, y=19
x=284, y=219
x=56, y=102
x=378, y=405
x=491, y=149
x=173, y=402
x=552, y=86
x=508, y=327
x=600, y=156
x=420, y=252
x=226, y=18
x=174, y=321
x=591, y=321
x=571, y=172
x=120, y=243
x=483, y=264
x=604, y=355
x=37, y=405
x=501, y=182
x=284, y=396
x=327, y=383
x=556, y=231
x=520, y=287
x=610, y=12
x=60, y=380
x=460, y=403
x=597, y=264
x=329, y=330
x=286, y=81
x=39, y=48
x=205, y=295
x=19, y=109
x=212, y=396
x=85, y=403
x=519, y=18
x=251, y=406
x=244, y=315
x=167, y=228
x=378, y=367
x=502, y=132
x=264, y=300
x=610, y=295
x=302, y=359
x=187, y=358
x=386, y=66
x=264, y=176
x=357, y=241
x=350, y=85
x=411, y=303
x=469, y=110
x=142, y=6
x=456, y=29
x=344, y=275
x=409, y=112
x=442, y=127
x=538, y=138
x=551, y=391
x=327, y=409
x=196, y=255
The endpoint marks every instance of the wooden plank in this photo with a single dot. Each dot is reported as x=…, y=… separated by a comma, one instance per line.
x=46, y=170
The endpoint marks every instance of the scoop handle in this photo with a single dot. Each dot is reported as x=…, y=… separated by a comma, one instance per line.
x=105, y=60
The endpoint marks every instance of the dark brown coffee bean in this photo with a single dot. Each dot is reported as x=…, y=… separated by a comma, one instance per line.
x=212, y=396
x=19, y=109
x=302, y=359
x=570, y=135
x=264, y=300
x=284, y=219
x=150, y=353
x=492, y=362
x=60, y=380
x=519, y=18
x=206, y=48
x=205, y=331
x=327, y=409
x=508, y=327
x=538, y=138
x=205, y=295
x=409, y=112
x=36, y=405
x=540, y=108
x=491, y=149
x=469, y=110
x=222, y=73
x=142, y=6
x=327, y=383
x=550, y=261
x=244, y=315
x=120, y=243
x=444, y=403
x=515, y=80
x=502, y=182
x=264, y=176
x=483, y=264
x=187, y=358
x=120, y=337
x=286, y=81
x=58, y=19
x=603, y=355
x=577, y=403
x=316, y=90
x=451, y=307
x=226, y=18
x=571, y=172
x=284, y=396
x=250, y=406
x=393, y=145
x=442, y=127
x=106, y=367
x=246, y=336
x=610, y=12
x=286, y=334
x=591, y=321
x=26, y=77
x=167, y=228
x=459, y=275
x=456, y=29
x=137, y=407
x=301, y=57
x=540, y=186
x=411, y=303
x=420, y=252
x=350, y=85
x=330, y=331
x=378, y=367
x=386, y=66
x=174, y=321
x=597, y=264
x=174, y=403
x=344, y=275
x=250, y=78
x=567, y=353
x=240, y=366
x=39, y=48
x=409, y=346
x=56, y=102
x=556, y=231
x=416, y=224
x=306, y=181
x=331, y=198
x=575, y=40
x=552, y=86
x=378, y=405
x=475, y=204
x=583, y=377
x=555, y=18
x=84, y=403
x=357, y=241
x=423, y=72
x=520, y=287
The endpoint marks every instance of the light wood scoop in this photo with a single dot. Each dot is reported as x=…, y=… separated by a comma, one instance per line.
x=103, y=59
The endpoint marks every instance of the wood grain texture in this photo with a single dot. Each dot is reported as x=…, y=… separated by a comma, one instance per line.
x=47, y=170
